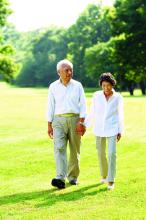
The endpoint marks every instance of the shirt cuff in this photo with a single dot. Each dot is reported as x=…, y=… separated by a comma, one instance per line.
x=49, y=119
x=82, y=115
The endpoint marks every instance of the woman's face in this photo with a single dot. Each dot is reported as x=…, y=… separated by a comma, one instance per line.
x=107, y=87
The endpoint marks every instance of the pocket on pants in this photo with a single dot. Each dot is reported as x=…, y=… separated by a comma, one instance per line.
x=59, y=140
x=59, y=145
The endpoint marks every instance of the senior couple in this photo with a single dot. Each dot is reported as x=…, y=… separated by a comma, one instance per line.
x=67, y=122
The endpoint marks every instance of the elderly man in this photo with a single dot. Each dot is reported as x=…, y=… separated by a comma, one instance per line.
x=66, y=114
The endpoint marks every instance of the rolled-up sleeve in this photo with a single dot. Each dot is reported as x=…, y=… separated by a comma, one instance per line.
x=51, y=105
x=82, y=102
x=121, y=115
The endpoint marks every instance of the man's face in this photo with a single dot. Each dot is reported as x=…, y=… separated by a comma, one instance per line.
x=65, y=73
x=107, y=87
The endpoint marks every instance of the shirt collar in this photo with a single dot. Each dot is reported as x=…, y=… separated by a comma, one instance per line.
x=114, y=93
x=59, y=81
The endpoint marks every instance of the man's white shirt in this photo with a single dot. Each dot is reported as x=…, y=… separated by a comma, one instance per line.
x=66, y=99
x=106, y=116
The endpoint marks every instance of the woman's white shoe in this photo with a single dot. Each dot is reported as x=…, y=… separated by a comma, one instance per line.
x=103, y=180
x=111, y=186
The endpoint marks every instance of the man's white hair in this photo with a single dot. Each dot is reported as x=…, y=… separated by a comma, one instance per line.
x=62, y=62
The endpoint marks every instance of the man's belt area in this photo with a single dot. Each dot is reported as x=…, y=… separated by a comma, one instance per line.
x=67, y=115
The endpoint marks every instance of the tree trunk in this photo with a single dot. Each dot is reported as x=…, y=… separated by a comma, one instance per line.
x=142, y=87
x=131, y=88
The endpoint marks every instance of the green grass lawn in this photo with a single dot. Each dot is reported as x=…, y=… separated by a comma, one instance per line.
x=27, y=164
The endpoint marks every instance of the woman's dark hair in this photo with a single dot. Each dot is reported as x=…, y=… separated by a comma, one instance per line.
x=108, y=77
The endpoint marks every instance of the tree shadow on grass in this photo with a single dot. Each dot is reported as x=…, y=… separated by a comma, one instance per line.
x=52, y=196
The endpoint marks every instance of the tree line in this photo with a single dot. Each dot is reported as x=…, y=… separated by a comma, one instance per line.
x=103, y=39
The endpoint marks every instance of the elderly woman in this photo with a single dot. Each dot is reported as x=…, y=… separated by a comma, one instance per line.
x=107, y=114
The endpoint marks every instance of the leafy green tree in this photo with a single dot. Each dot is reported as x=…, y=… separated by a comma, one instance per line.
x=7, y=65
x=99, y=59
x=129, y=21
x=91, y=28
x=39, y=51
x=48, y=47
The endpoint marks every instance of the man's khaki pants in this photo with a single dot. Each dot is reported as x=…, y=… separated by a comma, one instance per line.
x=64, y=131
x=107, y=168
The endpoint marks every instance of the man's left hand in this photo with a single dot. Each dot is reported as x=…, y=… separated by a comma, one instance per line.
x=80, y=129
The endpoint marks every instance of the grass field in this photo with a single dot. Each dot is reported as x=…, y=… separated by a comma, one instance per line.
x=27, y=164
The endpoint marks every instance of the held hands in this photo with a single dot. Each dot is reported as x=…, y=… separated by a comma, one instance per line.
x=80, y=129
x=118, y=137
x=50, y=130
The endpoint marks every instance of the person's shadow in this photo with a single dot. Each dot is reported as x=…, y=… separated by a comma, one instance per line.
x=49, y=197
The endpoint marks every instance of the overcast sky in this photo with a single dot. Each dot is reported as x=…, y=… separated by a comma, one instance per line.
x=32, y=14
